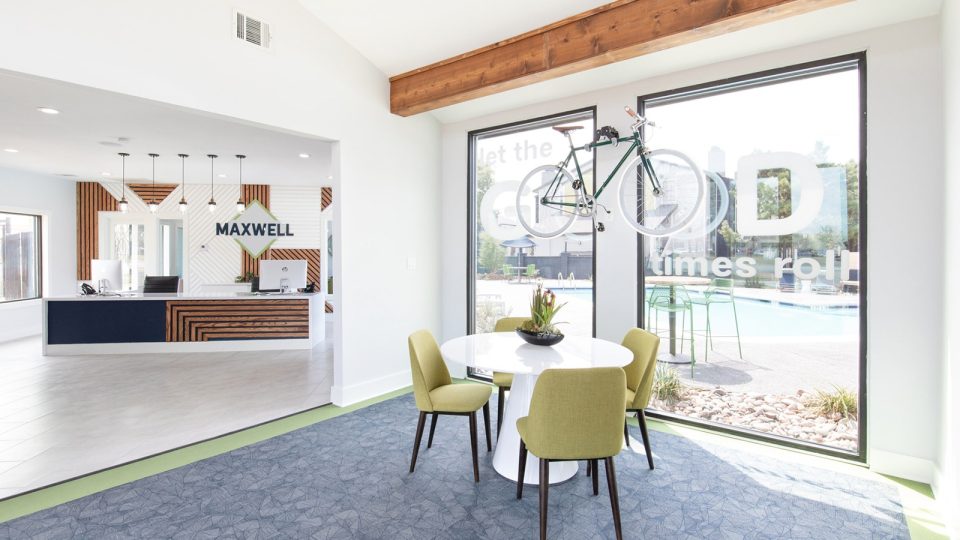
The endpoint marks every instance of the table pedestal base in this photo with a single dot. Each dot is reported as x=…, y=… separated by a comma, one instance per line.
x=506, y=458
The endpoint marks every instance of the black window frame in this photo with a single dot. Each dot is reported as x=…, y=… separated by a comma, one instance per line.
x=38, y=240
x=506, y=129
x=858, y=61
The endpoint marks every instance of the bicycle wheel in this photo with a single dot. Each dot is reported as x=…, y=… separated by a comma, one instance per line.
x=547, y=209
x=680, y=199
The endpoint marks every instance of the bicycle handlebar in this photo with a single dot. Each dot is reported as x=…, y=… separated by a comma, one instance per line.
x=640, y=121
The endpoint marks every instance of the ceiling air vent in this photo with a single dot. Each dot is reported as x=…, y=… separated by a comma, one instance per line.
x=253, y=31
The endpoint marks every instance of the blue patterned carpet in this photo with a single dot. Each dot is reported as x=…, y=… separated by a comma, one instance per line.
x=347, y=478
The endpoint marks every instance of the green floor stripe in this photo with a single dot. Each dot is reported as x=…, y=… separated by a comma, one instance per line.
x=81, y=487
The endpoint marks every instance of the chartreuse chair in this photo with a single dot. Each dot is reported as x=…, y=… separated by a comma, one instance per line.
x=503, y=381
x=575, y=414
x=640, y=373
x=436, y=395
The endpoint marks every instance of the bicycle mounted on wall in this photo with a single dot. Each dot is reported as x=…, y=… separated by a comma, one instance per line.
x=660, y=191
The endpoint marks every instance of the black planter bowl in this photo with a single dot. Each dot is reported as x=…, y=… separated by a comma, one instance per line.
x=535, y=338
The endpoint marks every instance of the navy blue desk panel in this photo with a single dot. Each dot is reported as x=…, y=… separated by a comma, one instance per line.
x=106, y=321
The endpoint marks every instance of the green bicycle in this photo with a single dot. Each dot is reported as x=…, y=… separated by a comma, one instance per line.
x=660, y=193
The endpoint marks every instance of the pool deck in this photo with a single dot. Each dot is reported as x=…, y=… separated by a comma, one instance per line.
x=780, y=365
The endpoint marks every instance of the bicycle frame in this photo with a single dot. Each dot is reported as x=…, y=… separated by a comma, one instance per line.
x=635, y=144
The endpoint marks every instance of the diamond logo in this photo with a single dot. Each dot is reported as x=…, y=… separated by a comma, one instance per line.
x=255, y=229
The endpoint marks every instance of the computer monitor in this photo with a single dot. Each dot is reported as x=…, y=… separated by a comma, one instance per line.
x=161, y=284
x=108, y=270
x=277, y=275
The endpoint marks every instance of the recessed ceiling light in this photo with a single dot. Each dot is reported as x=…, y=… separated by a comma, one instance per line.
x=48, y=110
x=67, y=175
x=330, y=177
x=11, y=150
x=105, y=173
x=221, y=175
x=304, y=156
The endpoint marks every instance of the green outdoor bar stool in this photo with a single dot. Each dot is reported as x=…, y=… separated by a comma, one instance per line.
x=436, y=395
x=503, y=381
x=680, y=303
x=720, y=291
x=640, y=374
x=575, y=414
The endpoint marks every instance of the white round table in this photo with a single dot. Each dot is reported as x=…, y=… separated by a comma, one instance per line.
x=507, y=353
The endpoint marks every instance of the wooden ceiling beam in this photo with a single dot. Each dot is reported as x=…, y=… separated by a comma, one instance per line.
x=617, y=31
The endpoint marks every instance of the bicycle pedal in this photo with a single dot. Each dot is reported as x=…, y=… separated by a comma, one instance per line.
x=600, y=227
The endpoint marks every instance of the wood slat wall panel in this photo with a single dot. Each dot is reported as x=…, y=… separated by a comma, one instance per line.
x=250, y=193
x=203, y=320
x=151, y=192
x=326, y=197
x=312, y=256
x=91, y=200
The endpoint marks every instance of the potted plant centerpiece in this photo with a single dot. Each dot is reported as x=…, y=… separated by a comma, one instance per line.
x=540, y=329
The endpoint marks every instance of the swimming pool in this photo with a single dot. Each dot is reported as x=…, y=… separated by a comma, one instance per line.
x=758, y=318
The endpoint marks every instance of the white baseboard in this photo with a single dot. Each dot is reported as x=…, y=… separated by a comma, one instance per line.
x=944, y=490
x=901, y=466
x=355, y=393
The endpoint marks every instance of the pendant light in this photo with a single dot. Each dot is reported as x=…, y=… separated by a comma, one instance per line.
x=183, y=183
x=240, y=205
x=123, y=182
x=212, y=205
x=153, y=190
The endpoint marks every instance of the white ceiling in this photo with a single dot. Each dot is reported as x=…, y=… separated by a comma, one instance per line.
x=70, y=143
x=399, y=36
x=407, y=35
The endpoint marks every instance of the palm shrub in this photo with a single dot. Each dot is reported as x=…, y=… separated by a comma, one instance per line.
x=840, y=401
x=667, y=385
x=543, y=307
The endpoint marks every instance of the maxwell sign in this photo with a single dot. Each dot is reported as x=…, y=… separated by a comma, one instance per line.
x=255, y=229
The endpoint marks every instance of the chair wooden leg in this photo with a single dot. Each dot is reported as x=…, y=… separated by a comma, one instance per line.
x=433, y=426
x=626, y=432
x=642, y=418
x=596, y=476
x=522, y=469
x=473, y=446
x=486, y=425
x=500, y=401
x=544, y=487
x=614, y=496
x=416, y=440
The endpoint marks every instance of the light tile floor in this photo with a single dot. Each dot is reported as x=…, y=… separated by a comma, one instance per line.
x=65, y=416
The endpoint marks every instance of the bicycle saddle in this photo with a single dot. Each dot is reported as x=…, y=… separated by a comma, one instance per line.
x=566, y=129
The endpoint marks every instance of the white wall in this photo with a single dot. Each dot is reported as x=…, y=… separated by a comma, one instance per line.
x=947, y=485
x=385, y=167
x=904, y=175
x=300, y=207
x=54, y=199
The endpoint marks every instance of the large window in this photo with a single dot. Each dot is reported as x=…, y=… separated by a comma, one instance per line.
x=19, y=257
x=759, y=302
x=506, y=263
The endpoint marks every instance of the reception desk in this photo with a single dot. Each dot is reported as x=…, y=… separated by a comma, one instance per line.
x=181, y=323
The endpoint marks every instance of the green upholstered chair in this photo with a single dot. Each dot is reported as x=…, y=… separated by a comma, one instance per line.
x=575, y=414
x=436, y=395
x=644, y=346
x=503, y=381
